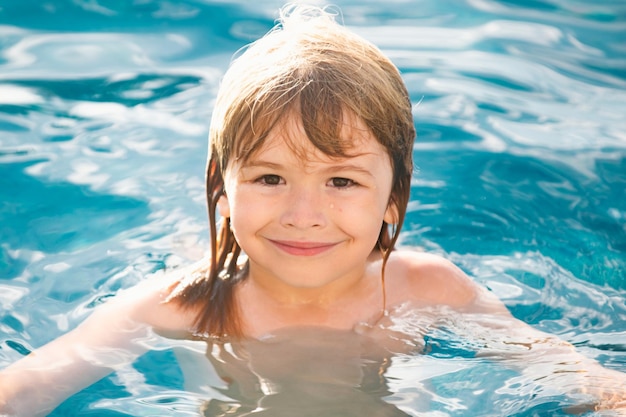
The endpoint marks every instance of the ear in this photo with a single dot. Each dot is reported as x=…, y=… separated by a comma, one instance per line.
x=391, y=214
x=223, y=206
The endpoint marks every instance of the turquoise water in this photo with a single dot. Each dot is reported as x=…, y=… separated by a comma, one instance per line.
x=521, y=173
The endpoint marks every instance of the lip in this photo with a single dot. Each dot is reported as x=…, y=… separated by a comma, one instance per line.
x=300, y=248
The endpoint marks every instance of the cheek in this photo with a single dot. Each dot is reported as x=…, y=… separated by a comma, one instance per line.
x=363, y=218
x=333, y=207
x=223, y=206
x=239, y=229
x=248, y=211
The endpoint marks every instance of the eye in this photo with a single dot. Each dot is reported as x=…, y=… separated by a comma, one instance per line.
x=269, y=179
x=339, y=182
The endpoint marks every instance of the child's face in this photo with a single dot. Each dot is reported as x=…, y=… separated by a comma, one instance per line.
x=309, y=222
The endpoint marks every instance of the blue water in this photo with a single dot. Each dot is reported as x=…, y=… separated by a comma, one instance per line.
x=521, y=169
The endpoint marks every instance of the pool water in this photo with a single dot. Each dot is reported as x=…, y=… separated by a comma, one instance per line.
x=520, y=180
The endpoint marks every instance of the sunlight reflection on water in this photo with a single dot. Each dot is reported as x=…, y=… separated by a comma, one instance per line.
x=521, y=168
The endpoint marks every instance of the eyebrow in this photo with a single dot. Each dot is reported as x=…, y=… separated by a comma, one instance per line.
x=255, y=163
x=348, y=167
x=331, y=169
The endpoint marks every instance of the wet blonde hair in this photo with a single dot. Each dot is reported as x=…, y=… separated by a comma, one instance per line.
x=310, y=66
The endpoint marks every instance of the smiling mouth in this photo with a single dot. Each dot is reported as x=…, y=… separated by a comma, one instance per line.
x=302, y=248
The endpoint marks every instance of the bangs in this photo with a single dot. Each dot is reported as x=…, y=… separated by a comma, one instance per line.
x=316, y=72
x=324, y=116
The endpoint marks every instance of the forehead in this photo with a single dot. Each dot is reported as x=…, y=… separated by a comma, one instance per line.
x=353, y=138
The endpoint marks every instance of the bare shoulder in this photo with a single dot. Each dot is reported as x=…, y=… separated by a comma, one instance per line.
x=429, y=279
x=147, y=303
x=32, y=387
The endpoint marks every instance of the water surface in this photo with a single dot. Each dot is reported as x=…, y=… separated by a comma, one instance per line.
x=520, y=179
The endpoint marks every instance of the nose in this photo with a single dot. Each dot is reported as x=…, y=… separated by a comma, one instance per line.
x=304, y=208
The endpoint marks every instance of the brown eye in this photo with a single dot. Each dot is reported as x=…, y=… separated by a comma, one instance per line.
x=339, y=182
x=270, y=179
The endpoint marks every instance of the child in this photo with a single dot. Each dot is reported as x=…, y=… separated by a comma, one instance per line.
x=309, y=170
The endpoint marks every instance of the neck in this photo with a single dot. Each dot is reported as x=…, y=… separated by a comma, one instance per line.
x=270, y=304
x=300, y=294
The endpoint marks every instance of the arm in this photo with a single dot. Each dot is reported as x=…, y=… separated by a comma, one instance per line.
x=40, y=381
x=544, y=358
x=541, y=357
x=113, y=336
